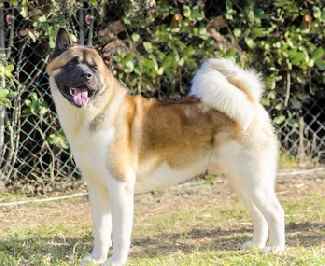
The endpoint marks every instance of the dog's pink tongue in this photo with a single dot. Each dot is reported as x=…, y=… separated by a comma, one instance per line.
x=80, y=97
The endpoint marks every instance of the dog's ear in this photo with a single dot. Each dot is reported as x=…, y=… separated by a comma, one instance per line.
x=63, y=41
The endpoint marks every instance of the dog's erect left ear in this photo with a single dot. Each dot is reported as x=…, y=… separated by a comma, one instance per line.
x=63, y=41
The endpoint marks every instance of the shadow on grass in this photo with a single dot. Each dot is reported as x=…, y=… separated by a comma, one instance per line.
x=219, y=239
x=196, y=239
x=297, y=234
x=305, y=234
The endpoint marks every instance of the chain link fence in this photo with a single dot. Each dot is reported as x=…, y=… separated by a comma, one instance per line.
x=34, y=153
x=302, y=133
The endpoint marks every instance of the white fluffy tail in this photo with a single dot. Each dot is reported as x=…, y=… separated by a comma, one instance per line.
x=223, y=86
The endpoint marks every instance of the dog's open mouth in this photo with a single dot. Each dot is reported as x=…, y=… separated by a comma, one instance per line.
x=80, y=96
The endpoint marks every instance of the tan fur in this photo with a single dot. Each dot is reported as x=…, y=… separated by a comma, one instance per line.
x=169, y=139
x=129, y=144
x=149, y=129
x=85, y=54
x=240, y=85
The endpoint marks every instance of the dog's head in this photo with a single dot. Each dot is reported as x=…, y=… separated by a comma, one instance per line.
x=78, y=71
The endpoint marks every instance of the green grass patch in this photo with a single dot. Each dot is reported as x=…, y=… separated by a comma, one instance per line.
x=288, y=161
x=204, y=228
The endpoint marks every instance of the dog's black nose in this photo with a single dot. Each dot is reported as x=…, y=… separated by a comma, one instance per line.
x=87, y=75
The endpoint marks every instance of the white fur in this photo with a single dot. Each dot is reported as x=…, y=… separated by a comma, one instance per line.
x=111, y=201
x=212, y=86
x=165, y=176
x=252, y=174
x=229, y=68
x=250, y=163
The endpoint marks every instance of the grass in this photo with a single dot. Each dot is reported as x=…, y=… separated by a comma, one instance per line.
x=8, y=197
x=288, y=161
x=200, y=224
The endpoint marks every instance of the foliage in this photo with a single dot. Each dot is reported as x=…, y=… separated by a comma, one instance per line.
x=284, y=41
x=58, y=140
x=36, y=105
x=164, y=42
x=163, y=57
x=5, y=81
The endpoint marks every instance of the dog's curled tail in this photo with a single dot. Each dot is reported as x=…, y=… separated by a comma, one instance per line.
x=225, y=87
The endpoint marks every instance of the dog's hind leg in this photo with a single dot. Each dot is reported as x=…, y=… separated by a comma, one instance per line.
x=260, y=226
x=266, y=202
x=253, y=176
x=102, y=223
x=269, y=205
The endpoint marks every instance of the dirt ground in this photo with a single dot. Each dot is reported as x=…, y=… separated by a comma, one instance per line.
x=197, y=194
x=193, y=216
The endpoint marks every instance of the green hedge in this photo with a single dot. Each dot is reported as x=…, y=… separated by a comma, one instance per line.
x=284, y=40
x=164, y=42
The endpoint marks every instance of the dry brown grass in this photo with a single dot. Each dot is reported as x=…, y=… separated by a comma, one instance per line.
x=192, y=224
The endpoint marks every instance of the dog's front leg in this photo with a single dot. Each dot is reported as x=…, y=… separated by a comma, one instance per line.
x=122, y=200
x=102, y=223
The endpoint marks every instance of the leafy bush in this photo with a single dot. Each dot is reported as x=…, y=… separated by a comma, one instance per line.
x=284, y=41
x=165, y=50
x=163, y=42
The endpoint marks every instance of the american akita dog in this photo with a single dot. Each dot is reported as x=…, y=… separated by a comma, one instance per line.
x=128, y=144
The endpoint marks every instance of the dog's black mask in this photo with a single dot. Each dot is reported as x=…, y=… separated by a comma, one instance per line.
x=78, y=80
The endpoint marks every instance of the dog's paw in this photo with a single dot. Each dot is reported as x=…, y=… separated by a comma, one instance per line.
x=90, y=261
x=251, y=245
x=274, y=249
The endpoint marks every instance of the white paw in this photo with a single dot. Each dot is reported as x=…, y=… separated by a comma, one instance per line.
x=251, y=245
x=274, y=249
x=91, y=261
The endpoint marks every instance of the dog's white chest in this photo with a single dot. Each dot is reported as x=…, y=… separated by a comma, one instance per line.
x=90, y=150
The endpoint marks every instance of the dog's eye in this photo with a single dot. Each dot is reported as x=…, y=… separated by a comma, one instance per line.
x=73, y=61
x=94, y=67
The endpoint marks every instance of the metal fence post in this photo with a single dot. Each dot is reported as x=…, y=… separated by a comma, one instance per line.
x=2, y=85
